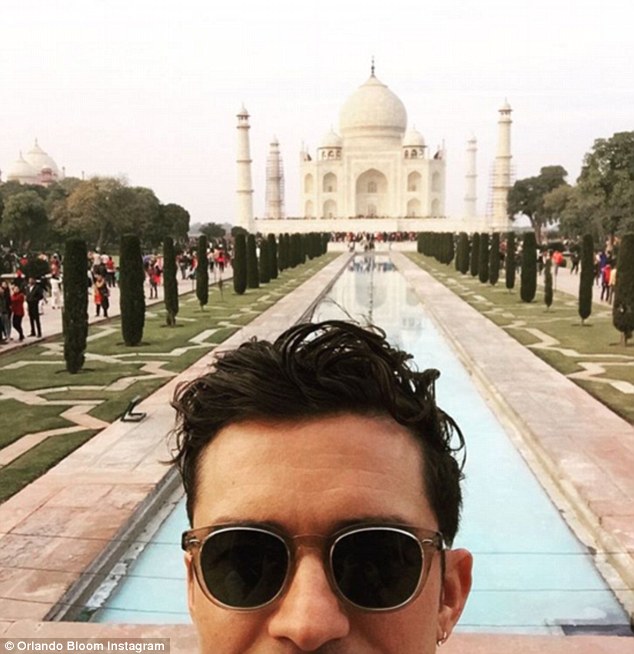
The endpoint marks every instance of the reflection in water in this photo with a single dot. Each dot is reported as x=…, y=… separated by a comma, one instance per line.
x=372, y=292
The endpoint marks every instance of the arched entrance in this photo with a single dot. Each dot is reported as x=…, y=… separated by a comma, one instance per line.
x=371, y=194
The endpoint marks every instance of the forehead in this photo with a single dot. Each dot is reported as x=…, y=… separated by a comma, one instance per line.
x=312, y=474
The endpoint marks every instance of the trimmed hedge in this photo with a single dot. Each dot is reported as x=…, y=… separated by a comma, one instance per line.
x=273, y=265
x=509, y=261
x=463, y=256
x=548, y=284
x=586, y=277
x=494, y=259
x=474, y=263
x=240, y=264
x=131, y=297
x=75, y=311
x=528, y=281
x=202, y=272
x=483, y=272
x=170, y=283
x=253, y=276
x=265, y=262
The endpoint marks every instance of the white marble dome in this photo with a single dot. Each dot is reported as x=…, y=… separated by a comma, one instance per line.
x=40, y=159
x=414, y=139
x=331, y=140
x=22, y=170
x=373, y=110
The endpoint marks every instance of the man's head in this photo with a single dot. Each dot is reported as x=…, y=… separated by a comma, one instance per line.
x=325, y=456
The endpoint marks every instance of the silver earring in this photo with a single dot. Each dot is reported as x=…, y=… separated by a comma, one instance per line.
x=442, y=640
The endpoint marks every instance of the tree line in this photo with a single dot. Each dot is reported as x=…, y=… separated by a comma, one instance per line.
x=601, y=203
x=99, y=210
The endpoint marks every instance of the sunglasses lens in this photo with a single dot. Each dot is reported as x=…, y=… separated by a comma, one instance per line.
x=244, y=568
x=377, y=568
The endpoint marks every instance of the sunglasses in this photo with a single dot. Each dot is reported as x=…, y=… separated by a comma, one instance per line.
x=374, y=568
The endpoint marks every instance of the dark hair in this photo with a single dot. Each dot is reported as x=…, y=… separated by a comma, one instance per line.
x=321, y=369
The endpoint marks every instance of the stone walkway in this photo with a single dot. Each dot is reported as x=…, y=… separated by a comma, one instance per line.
x=51, y=535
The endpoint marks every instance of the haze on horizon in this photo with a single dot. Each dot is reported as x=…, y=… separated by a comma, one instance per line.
x=150, y=90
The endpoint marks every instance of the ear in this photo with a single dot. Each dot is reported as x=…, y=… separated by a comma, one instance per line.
x=455, y=590
x=191, y=581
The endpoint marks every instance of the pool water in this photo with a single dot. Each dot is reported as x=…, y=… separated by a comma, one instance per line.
x=531, y=574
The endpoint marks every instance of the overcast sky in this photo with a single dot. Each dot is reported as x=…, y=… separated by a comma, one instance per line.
x=150, y=88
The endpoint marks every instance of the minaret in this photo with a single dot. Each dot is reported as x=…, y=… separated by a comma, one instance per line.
x=502, y=170
x=470, y=198
x=274, y=182
x=244, y=217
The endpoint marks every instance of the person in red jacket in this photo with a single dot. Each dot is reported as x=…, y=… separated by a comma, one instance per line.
x=17, y=309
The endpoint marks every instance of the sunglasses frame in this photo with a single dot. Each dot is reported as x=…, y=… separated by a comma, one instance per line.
x=429, y=542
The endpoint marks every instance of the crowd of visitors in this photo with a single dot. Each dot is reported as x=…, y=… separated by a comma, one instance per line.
x=29, y=283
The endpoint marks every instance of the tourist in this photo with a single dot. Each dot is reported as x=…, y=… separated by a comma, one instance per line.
x=110, y=272
x=56, y=292
x=154, y=277
x=558, y=261
x=612, y=284
x=34, y=294
x=5, y=313
x=17, y=309
x=101, y=296
x=605, y=281
x=323, y=488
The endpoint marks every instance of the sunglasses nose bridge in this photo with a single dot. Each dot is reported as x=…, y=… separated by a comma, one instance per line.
x=306, y=542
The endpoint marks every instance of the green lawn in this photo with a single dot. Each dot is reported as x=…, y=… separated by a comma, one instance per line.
x=113, y=374
x=555, y=335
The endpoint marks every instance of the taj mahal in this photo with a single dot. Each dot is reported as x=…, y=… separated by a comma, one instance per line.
x=373, y=174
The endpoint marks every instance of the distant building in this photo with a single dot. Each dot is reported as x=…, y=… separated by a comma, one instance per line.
x=375, y=168
x=35, y=167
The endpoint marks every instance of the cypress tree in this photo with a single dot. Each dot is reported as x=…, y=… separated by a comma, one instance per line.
x=450, y=248
x=548, y=284
x=528, y=281
x=623, y=309
x=509, y=261
x=283, y=252
x=265, y=262
x=253, y=278
x=475, y=255
x=483, y=273
x=458, y=257
x=240, y=264
x=273, y=265
x=325, y=238
x=303, y=247
x=280, y=253
x=463, y=258
x=202, y=272
x=295, y=250
x=75, y=311
x=288, y=251
x=170, y=283
x=131, y=297
x=494, y=259
x=586, y=277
